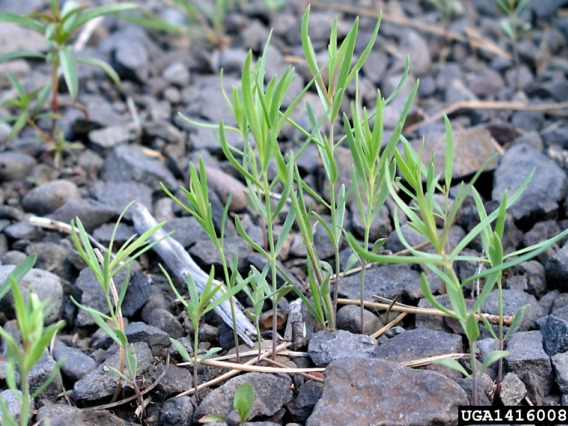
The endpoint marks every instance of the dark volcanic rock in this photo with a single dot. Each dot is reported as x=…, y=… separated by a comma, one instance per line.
x=129, y=163
x=555, y=333
x=77, y=364
x=349, y=319
x=387, y=281
x=64, y=415
x=48, y=197
x=557, y=269
x=530, y=363
x=271, y=393
x=15, y=165
x=407, y=396
x=546, y=190
x=419, y=343
x=325, y=347
x=102, y=382
x=46, y=285
x=91, y=213
x=137, y=294
x=177, y=412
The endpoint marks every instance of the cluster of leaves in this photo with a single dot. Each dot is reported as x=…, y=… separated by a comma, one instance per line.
x=105, y=267
x=59, y=27
x=24, y=352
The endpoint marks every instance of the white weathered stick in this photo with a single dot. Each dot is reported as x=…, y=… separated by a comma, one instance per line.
x=182, y=265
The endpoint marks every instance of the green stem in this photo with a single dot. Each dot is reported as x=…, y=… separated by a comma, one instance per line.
x=501, y=340
x=26, y=399
x=195, y=361
x=473, y=373
x=336, y=248
x=231, y=301
x=272, y=260
x=54, y=96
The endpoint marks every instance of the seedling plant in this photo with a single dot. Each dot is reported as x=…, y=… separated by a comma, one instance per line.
x=105, y=266
x=58, y=27
x=512, y=27
x=242, y=403
x=197, y=306
x=35, y=339
x=420, y=183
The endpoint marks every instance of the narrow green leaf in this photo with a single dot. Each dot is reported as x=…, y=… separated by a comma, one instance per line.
x=516, y=321
x=209, y=353
x=491, y=358
x=243, y=233
x=98, y=63
x=471, y=327
x=69, y=70
x=453, y=364
x=18, y=273
x=180, y=349
x=285, y=230
x=101, y=11
x=449, y=157
x=17, y=54
x=23, y=20
x=427, y=292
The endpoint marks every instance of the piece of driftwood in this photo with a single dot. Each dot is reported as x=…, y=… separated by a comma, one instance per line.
x=296, y=327
x=182, y=265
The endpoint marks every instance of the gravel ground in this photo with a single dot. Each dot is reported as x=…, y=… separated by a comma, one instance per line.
x=134, y=140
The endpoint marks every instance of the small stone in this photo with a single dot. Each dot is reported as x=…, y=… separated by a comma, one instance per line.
x=271, y=393
x=416, y=47
x=91, y=294
x=15, y=166
x=555, y=333
x=407, y=396
x=232, y=60
x=349, y=319
x=205, y=252
x=388, y=281
x=14, y=404
x=325, y=347
x=46, y=285
x=64, y=415
x=487, y=82
x=47, y=198
x=177, y=74
x=176, y=380
x=557, y=269
x=380, y=226
x=543, y=194
x=77, y=364
x=513, y=390
x=177, y=412
x=91, y=213
x=513, y=301
x=472, y=147
x=420, y=343
x=165, y=321
x=224, y=185
x=42, y=371
x=530, y=363
x=112, y=136
x=102, y=382
x=302, y=406
x=118, y=195
x=131, y=163
x=560, y=364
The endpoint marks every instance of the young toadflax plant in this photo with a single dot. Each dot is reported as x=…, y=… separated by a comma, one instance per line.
x=35, y=338
x=423, y=211
x=59, y=27
x=105, y=266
